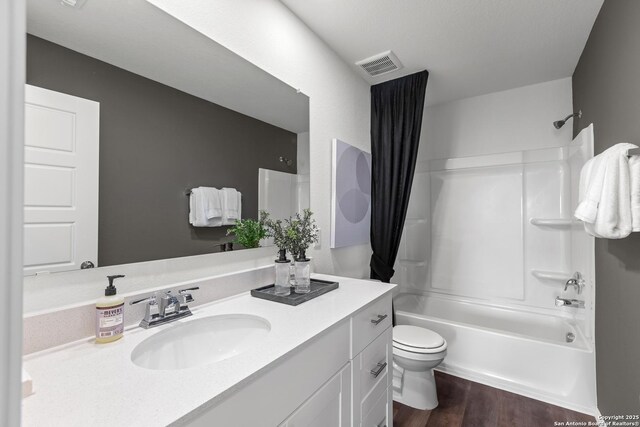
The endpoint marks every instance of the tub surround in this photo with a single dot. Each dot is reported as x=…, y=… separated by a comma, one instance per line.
x=89, y=377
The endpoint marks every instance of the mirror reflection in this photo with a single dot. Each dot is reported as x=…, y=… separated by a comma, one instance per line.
x=147, y=140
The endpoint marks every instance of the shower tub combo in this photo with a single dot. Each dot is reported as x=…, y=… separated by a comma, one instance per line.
x=486, y=253
x=524, y=352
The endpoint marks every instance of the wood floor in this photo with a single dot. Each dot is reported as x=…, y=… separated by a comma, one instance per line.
x=469, y=404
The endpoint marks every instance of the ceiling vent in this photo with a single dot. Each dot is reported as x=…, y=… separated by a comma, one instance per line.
x=379, y=64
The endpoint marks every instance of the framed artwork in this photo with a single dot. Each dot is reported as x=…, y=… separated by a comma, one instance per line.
x=350, y=195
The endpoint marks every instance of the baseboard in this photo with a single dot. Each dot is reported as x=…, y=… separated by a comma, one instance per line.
x=509, y=386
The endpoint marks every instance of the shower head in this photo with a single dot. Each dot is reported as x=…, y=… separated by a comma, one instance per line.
x=558, y=124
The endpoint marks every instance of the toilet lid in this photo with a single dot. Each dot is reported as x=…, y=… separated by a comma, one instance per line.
x=416, y=337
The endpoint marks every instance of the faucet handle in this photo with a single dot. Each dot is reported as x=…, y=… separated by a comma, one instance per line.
x=152, y=308
x=151, y=300
x=576, y=281
x=184, y=295
x=570, y=282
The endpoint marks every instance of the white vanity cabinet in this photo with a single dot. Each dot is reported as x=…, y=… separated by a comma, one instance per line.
x=325, y=363
x=371, y=365
x=340, y=378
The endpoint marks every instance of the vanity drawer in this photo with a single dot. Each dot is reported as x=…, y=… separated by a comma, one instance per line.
x=370, y=322
x=379, y=414
x=374, y=363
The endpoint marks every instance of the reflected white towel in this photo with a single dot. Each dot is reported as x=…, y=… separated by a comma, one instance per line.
x=213, y=202
x=232, y=206
x=634, y=173
x=198, y=206
x=605, y=202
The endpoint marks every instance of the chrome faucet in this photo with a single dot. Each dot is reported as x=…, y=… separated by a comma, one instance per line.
x=561, y=302
x=576, y=281
x=168, y=304
x=169, y=308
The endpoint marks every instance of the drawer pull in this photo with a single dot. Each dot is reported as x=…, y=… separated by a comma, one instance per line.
x=379, y=368
x=380, y=318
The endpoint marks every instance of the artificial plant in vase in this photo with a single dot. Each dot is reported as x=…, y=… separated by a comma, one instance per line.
x=302, y=232
x=249, y=232
x=277, y=231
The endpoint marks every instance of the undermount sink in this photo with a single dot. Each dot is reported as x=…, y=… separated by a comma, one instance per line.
x=200, y=342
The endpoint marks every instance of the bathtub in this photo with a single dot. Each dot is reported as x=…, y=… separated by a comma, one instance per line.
x=522, y=352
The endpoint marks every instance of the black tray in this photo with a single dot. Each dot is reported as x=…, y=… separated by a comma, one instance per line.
x=318, y=287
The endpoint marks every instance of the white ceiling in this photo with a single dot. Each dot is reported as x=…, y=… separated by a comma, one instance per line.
x=138, y=37
x=470, y=47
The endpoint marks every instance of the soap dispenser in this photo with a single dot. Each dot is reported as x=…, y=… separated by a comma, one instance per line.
x=110, y=314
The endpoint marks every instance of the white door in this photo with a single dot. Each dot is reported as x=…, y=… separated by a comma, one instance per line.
x=60, y=181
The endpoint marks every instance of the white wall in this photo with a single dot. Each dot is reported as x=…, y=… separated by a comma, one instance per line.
x=511, y=120
x=267, y=34
x=12, y=75
x=463, y=183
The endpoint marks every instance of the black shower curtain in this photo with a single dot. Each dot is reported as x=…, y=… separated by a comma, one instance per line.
x=396, y=121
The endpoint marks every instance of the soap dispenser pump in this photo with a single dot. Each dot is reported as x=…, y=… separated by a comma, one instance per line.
x=110, y=314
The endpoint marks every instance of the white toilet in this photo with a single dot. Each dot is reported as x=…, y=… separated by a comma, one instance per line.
x=416, y=351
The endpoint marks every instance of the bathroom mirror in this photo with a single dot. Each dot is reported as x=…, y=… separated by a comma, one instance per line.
x=128, y=109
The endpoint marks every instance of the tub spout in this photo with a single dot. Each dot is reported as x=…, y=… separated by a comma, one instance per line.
x=561, y=302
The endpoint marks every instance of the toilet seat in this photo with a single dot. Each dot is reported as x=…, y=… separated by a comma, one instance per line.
x=414, y=339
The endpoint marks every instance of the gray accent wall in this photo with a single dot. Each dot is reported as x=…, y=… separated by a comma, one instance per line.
x=156, y=142
x=606, y=87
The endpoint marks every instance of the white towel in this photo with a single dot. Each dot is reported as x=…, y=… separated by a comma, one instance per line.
x=605, y=202
x=634, y=173
x=232, y=206
x=213, y=202
x=198, y=208
x=591, y=178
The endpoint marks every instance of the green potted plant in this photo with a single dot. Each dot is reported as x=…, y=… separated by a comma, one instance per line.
x=249, y=232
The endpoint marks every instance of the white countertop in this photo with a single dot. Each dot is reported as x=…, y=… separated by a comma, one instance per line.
x=84, y=383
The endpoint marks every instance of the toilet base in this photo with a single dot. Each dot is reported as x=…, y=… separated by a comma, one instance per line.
x=418, y=390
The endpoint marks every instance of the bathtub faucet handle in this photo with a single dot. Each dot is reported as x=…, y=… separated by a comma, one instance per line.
x=576, y=281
